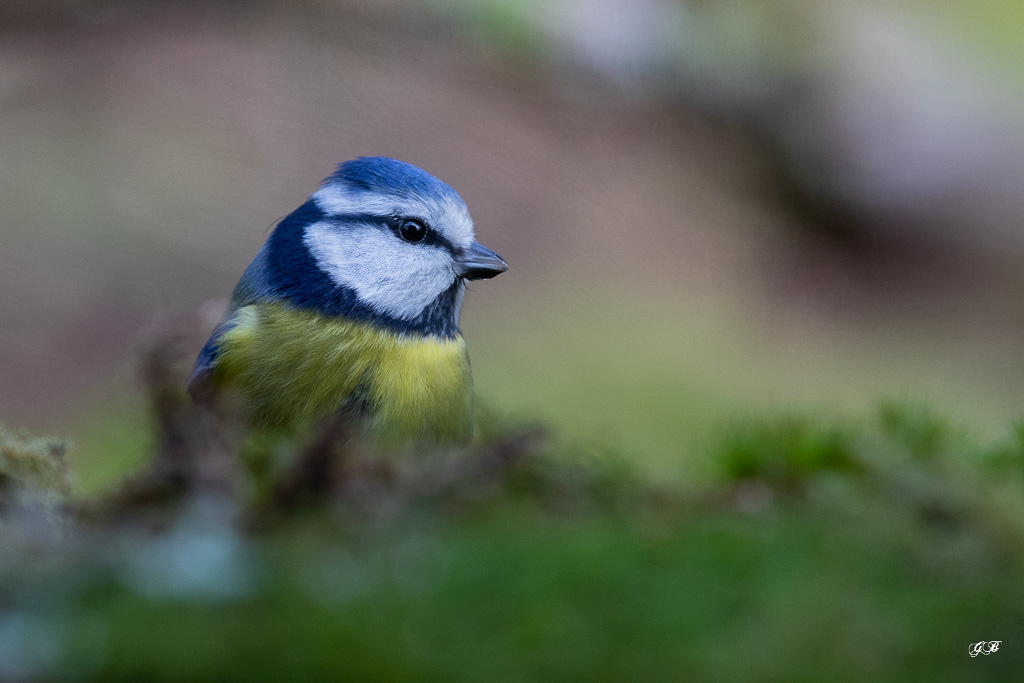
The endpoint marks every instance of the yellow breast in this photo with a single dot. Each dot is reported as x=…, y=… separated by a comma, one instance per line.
x=293, y=368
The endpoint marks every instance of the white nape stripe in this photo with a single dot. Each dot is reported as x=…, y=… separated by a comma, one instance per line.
x=391, y=276
x=448, y=216
x=337, y=199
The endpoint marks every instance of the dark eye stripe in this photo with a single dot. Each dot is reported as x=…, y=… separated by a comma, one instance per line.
x=431, y=237
x=393, y=224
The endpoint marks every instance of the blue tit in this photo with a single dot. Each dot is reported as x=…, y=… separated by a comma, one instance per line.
x=353, y=304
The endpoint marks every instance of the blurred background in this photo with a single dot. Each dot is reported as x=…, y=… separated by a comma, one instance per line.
x=709, y=207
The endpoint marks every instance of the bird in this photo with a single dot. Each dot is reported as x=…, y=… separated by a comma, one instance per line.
x=352, y=305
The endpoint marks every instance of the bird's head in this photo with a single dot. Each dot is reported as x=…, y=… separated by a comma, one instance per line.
x=381, y=240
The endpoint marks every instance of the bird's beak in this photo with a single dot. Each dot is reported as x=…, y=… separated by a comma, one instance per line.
x=480, y=263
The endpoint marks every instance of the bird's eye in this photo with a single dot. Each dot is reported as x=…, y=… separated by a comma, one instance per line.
x=412, y=230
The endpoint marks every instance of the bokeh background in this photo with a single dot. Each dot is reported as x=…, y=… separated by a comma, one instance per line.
x=709, y=207
x=748, y=240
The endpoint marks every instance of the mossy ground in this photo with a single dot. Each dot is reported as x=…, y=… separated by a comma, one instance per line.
x=875, y=549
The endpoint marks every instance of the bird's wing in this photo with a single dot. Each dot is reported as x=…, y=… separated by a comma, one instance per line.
x=250, y=287
x=200, y=386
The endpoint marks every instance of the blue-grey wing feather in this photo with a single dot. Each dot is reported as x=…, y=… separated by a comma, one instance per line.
x=251, y=288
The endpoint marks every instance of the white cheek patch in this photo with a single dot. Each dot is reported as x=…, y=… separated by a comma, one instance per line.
x=390, y=276
x=448, y=216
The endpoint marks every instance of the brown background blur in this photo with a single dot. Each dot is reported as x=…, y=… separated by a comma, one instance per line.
x=708, y=207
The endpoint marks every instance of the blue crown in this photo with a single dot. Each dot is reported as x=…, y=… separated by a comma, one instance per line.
x=390, y=176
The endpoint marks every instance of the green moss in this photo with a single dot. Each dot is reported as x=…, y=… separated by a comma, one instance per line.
x=878, y=549
x=32, y=468
x=784, y=451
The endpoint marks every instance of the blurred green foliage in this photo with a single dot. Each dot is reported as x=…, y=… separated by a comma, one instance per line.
x=110, y=445
x=990, y=27
x=874, y=549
